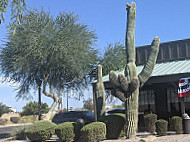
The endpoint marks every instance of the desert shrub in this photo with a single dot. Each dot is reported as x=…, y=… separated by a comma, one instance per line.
x=28, y=119
x=94, y=132
x=19, y=132
x=15, y=119
x=149, y=122
x=40, y=131
x=161, y=127
x=3, y=121
x=68, y=131
x=176, y=124
x=114, y=125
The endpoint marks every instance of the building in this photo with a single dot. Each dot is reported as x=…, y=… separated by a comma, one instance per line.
x=159, y=94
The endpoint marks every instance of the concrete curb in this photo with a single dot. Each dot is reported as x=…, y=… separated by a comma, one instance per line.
x=19, y=124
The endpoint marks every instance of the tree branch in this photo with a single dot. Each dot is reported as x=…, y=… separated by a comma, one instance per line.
x=149, y=66
x=44, y=88
x=74, y=80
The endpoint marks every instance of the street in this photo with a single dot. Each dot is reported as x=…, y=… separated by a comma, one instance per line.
x=5, y=131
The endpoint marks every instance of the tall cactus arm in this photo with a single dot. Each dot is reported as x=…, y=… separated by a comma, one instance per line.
x=130, y=34
x=149, y=66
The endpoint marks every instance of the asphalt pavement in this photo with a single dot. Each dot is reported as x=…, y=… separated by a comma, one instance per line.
x=5, y=131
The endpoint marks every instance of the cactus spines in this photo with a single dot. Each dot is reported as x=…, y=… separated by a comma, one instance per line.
x=126, y=88
x=119, y=94
x=100, y=94
x=113, y=78
x=124, y=84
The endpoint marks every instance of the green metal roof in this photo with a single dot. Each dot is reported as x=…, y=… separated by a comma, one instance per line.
x=162, y=69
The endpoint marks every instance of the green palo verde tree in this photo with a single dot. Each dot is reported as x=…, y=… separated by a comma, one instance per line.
x=55, y=52
x=18, y=7
x=126, y=87
x=100, y=91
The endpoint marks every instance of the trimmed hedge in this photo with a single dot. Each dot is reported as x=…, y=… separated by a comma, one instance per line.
x=69, y=131
x=18, y=133
x=15, y=119
x=94, y=132
x=40, y=131
x=149, y=122
x=114, y=125
x=176, y=124
x=161, y=127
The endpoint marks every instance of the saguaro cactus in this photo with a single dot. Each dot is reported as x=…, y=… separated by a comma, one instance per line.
x=126, y=87
x=100, y=94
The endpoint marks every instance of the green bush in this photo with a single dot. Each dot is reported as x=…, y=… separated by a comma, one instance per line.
x=4, y=109
x=68, y=131
x=114, y=125
x=15, y=119
x=161, y=127
x=149, y=122
x=176, y=124
x=40, y=131
x=31, y=108
x=19, y=132
x=3, y=121
x=94, y=132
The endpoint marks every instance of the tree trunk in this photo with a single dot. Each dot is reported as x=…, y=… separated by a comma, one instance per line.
x=55, y=98
x=50, y=112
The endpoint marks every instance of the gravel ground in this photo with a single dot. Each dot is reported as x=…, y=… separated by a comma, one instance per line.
x=146, y=137
x=141, y=137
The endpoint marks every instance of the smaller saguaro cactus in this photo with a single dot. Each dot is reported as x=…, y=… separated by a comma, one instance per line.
x=100, y=91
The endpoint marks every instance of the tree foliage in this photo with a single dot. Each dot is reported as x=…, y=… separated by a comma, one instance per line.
x=43, y=47
x=32, y=108
x=17, y=9
x=4, y=109
x=55, y=51
x=88, y=104
x=114, y=58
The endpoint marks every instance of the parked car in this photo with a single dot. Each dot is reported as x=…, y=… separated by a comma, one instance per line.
x=115, y=110
x=84, y=117
x=119, y=110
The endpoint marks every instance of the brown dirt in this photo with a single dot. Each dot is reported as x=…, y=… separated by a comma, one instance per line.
x=8, y=116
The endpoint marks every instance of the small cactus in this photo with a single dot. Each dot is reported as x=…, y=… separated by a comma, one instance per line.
x=100, y=94
x=126, y=87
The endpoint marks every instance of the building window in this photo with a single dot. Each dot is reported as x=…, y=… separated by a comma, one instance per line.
x=146, y=97
x=174, y=102
x=147, y=101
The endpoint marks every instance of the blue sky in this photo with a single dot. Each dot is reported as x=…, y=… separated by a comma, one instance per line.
x=168, y=19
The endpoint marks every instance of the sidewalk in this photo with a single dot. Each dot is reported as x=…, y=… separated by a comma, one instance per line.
x=142, y=137
x=186, y=139
x=18, y=124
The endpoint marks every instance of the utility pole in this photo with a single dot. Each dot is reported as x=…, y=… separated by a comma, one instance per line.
x=39, y=99
x=67, y=101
